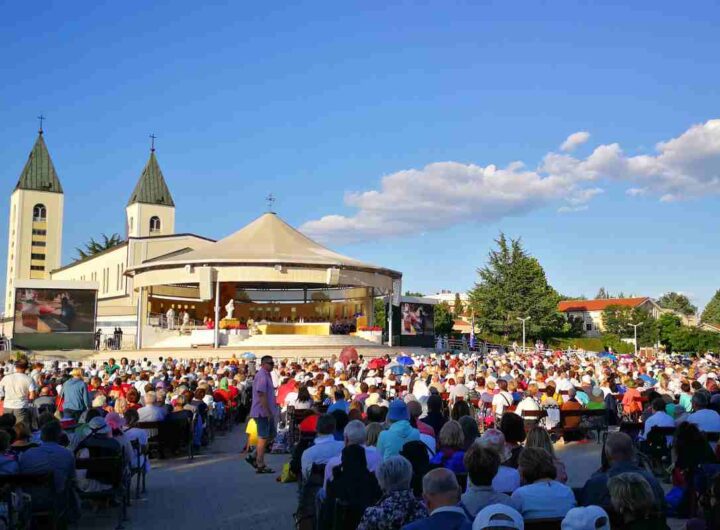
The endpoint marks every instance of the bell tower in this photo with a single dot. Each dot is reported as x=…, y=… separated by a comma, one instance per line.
x=150, y=211
x=36, y=222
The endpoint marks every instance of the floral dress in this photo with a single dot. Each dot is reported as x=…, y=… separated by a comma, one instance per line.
x=393, y=512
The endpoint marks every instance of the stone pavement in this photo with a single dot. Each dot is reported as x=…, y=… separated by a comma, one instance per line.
x=218, y=490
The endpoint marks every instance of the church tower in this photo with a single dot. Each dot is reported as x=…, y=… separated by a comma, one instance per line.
x=36, y=221
x=150, y=210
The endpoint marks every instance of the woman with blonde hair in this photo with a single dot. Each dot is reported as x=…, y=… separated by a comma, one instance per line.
x=539, y=437
x=450, y=454
x=121, y=406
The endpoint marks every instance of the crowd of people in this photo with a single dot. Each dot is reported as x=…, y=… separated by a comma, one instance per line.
x=57, y=415
x=418, y=442
x=468, y=441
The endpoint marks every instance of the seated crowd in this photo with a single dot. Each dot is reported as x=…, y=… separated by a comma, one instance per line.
x=446, y=441
x=72, y=420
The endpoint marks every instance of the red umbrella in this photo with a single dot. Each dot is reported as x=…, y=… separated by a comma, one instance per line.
x=377, y=363
x=348, y=354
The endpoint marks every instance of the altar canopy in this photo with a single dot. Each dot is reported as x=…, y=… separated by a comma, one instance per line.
x=268, y=250
x=274, y=274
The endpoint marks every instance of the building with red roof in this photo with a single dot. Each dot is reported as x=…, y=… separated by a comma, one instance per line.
x=590, y=311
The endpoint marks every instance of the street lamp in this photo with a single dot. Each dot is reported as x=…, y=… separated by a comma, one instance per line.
x=635, y=326
x=523, y=321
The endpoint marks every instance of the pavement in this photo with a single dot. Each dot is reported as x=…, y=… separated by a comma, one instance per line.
x=219, y=490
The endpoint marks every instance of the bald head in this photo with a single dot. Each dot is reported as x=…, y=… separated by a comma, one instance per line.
x=440, y=488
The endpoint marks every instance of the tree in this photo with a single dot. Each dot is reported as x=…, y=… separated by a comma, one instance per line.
x=93, y=247
x=443, y=320
x=458, y=308
x=668, y=325
x=602, y=294
x=677, y=302
x=711, y=314
x=413, y=293
x=617, y=320
x=511, y=285
x=379, y=313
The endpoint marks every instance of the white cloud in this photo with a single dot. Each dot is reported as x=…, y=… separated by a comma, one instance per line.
x=574, y=141
x=442, y=194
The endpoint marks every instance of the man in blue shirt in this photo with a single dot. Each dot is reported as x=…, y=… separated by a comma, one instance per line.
x=76, y=398
x=441, y=493
x=51, y=456
x=340, y=403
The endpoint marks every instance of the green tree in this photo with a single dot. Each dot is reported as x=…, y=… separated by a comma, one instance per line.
x=677, y=302
x=602, y=294
x=667, y=326
x=617, y=320
x=511, y=285
x=443, y=319
x=458, y=308
x=93, y=247
x=380, y=315
x=711, y=314
x=413, y=293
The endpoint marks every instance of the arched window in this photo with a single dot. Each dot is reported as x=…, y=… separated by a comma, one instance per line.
x=39, y=212
x=154, y=224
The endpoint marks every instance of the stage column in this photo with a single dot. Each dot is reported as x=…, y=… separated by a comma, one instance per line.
x=216, y=333
x=140, y=319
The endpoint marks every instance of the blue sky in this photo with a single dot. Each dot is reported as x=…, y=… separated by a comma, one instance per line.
x=316, y=101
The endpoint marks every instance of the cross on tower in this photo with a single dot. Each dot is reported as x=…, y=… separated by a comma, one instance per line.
x=41, y=118
x=270, y=201
x=152, y=142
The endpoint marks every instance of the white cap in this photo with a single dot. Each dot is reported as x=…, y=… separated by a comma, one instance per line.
x=587, y=518
x=498, y=515
x=586, y=379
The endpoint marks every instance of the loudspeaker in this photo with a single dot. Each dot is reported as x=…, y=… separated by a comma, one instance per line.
x=205, y=279
x=333, y=276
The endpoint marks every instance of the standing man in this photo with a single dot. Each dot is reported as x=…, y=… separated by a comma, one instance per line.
x=170, y=318
x=264, y=411
x=17, y=391
x=75, y=395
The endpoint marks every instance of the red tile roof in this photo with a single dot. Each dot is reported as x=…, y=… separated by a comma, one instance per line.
x=598, y=305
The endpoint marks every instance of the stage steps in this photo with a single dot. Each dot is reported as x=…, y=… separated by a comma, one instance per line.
x=308, y=341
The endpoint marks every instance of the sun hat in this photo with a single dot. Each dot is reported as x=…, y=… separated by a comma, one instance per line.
x=587, y=518
x=398, y=411
x=495, y=439
x=98, y=425
x=498, y=515
x=115, y=421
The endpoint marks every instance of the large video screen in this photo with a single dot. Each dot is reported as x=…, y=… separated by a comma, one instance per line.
x=416, y=319
x=54, y=311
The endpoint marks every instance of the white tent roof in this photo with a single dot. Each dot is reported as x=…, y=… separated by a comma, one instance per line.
x=266, y=240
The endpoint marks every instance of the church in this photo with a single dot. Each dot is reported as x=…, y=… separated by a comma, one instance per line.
x=35, y=238
x=267, y=274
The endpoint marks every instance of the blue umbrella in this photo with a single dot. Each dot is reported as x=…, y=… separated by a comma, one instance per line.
x=397, y=369
x=405, y=360
x=248, y=355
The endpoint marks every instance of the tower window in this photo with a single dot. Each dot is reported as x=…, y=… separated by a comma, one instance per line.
x=39, y=212
x=154, y=224
x=37, y=256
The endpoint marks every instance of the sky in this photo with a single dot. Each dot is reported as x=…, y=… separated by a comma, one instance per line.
x=406, y=134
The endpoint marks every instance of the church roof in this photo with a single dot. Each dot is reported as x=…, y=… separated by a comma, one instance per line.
x=39, y=172
x=151, y=188
x=270, y=240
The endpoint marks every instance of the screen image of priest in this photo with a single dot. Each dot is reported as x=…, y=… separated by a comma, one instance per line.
x=54, y=311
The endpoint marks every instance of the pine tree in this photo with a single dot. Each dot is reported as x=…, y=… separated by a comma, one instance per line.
x=602, y=294
x=677, y=302
x=512, y=285
x=458, y=308
x=711, y=314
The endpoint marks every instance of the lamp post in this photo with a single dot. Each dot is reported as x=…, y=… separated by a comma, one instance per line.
x=523, y=321
x=635, y=326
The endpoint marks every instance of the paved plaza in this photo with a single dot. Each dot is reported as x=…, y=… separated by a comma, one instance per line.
x=219, y=490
